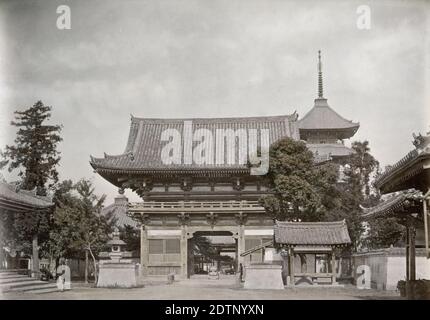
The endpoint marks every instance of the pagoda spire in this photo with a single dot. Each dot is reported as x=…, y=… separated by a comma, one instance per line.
x=320, y=79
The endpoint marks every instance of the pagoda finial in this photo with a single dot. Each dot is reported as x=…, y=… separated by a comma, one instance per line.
x=320, y=79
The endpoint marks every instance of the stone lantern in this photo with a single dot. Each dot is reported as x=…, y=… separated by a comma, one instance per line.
x=117, y=246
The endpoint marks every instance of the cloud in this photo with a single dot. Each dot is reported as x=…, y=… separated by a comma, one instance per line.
x=212, y=58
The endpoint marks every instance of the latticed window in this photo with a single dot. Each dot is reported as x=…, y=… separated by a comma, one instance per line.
x=173, y=246
x=156, y=246
x=164, y=246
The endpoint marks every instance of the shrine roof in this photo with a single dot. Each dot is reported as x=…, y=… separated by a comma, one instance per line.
x=312, y=233
x=411, y=165
x=322, y=117
x=393, y=203
x=144, y=145
x=119, y=212
x=17, y=200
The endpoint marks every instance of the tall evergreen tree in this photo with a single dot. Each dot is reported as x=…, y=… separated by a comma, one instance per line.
x=35, y=152
x=356, y=190
x=35, y=155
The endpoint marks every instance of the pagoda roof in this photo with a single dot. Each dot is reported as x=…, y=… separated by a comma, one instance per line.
x=14, y=199
x=321, y=117
x=311, y=233
x=144, y=145
x=412, y=171
x=394, y=203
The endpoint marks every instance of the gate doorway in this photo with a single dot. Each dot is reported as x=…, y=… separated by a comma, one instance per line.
x=212, y=249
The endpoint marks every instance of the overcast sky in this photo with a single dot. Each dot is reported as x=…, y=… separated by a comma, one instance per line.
x=212, y=58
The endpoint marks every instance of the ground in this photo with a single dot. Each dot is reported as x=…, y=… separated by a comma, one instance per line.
x=201, y=288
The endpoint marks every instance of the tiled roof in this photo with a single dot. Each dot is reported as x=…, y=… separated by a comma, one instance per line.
x=14, y=199
x=321, y=116
x=392, y=203
x=311, y=233
x=391, y=179
x=329, y=149
x=143, y=150
x=119, y=211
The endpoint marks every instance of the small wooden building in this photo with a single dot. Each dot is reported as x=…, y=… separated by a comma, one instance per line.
x=14, y=200
x=306, y=239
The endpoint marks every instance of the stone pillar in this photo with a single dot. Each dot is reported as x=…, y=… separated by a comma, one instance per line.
x=144, y=251
x=184, y=252
x=35, y=258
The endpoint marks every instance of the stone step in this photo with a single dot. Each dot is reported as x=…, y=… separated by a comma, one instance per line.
x=15, y=279
x=11, y=276
x=12, y=270
x=41, y=291
x=6, y=273
x=34, y=287
x=20, y=284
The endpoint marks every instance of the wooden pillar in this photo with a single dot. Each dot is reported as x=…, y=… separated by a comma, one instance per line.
x=2, y=258
x=426, y=227
x=291, y=263
x=407, y=254
x=333, y=267
x=144, y=251
x=184, y=252
x=240, y=246
x=35, y=257
x=412, y=269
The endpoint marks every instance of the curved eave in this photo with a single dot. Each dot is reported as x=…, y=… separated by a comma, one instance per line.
x=17, y=206
x=412, y=165
x=340, y=133
x=116, y=175
x=395, y=204
x=169, y=170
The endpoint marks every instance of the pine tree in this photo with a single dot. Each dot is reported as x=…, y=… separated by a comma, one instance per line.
x=35, y=155
x=35, y=151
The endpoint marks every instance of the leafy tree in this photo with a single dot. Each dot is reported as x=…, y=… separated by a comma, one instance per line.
x=384, y=233
x=203, y=246
x=78, y=225
x=300, y=188
x=305, y=191
x=59, y=243
x=131, y=236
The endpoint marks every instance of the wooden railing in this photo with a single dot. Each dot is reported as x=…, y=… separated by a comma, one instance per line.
x=243, y=205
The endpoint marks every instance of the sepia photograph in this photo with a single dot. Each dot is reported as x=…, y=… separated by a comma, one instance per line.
x=226, y=151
